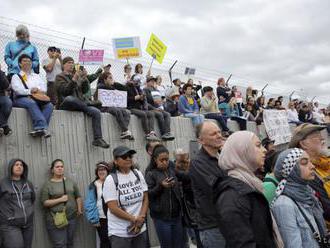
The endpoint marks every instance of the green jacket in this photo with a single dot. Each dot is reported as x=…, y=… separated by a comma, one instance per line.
x=270, y=184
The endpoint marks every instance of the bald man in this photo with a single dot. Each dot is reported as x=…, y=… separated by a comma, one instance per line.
x=204, y=172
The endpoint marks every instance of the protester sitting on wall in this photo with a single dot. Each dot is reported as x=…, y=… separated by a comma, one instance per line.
x=260, y=103
x=24, y=85
x=196, y=88
x=297, y=211
x=126, y=194
x=138, y=77
x=171, y=104
x=21, y=46
x=248, y=93
x=5, y=105
x=234, y=114
x=165, y=199
x=61, y=194
x=127, y=74
x=210, y=109
x=95, y=211
x=223, y=90
x=137, y=104
x=305, y=114
x=17, y=197
x=123, y=116
x=52, y=66
x=155, y=104
x=204, y=172
x=270, y=182
x=70, y=87
x=270, y=103
x=253, y=115
x=278, y=105
x=188, y=105
x=160, y=87
x=244, y=216
x=177, y=84
x=308, y=137
x=293, y=114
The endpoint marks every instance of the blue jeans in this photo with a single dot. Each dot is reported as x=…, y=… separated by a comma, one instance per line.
x=61, y=237
x=72, y=103
x=40, y=114
x=169, y=232
x=5, y=109
x=212, y=238
x=196, y=118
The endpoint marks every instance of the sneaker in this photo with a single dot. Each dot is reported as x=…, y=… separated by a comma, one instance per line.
x=2, y=131
x=7, y=130
x=101, y=143
x=46, y=134
x=126, y=135
x=168, y=136
x=36, y=133
x=152, y=136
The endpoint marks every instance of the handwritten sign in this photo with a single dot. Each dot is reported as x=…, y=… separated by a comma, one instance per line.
x=113, y=98
x=277, y=126
x=129, y=47
x=156, y=48
x=91, y=57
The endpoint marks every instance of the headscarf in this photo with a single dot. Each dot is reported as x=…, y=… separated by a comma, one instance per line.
x=238, y=159
x=287, y=170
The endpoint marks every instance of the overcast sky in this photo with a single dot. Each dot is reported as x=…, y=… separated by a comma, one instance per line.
x=286, y=43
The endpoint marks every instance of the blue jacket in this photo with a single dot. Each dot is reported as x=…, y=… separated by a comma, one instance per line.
x=294, y=229
x=12, y=48
x=90, y=205
x=185, y=107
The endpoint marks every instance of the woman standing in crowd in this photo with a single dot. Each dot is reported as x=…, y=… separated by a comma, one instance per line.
x=17, y=198
x=243, y=213
x=164, y=195
x=93, y=205
x=127, y=74
x=60, y=194
x=297, y=211
x=125, y=193
x=24, y=85
x=188, y=105
x=138, y=77
x=122, y=115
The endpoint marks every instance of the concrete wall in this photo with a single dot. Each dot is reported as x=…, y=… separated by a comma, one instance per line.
x=71, y=141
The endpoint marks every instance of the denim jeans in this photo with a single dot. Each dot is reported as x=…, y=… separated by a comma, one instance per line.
x=147, y=119
x=40, y=115
x=61, y=237
x=122, y=115
x=219, y=118
x=72, y=103
x=212, y=238
x=196, y=118
x=170, y=232
x=6, y=106
x=164, y=121
x=16, y=237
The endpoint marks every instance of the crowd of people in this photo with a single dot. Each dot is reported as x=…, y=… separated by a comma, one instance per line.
x=237, y=191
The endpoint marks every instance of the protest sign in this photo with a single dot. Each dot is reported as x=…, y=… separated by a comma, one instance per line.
x=189, y=71
x=91, y=57
x=129, y=47
x=277, y=126
x=156, y=48
x=113, y=98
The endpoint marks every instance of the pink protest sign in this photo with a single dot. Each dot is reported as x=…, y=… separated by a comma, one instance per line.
x=91, y=57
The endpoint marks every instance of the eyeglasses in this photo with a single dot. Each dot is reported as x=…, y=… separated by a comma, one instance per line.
x=126, y=156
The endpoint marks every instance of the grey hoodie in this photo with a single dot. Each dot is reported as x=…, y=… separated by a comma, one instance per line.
x=16, y=202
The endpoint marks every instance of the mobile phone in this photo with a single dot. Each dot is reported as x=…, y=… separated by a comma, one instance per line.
x=77, y=67
x=81, y=68
x=170, y=179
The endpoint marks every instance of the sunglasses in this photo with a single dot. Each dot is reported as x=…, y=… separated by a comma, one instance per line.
x=125, y=156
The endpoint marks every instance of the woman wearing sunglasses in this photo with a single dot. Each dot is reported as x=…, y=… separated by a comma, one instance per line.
x=125, y=193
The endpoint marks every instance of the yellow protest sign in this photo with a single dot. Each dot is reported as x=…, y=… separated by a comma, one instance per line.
x=156, y=48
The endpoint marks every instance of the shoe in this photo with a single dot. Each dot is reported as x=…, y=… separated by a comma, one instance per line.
x=152, y=136
x=101, y=143
x=2, y=131
x=7, y=130
x=36, y=133
x=126, y=135
x=46, y=134
x=168, y=136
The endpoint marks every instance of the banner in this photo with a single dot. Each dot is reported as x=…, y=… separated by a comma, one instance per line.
x=156, y=48
x=113, y=98
x=129, y=47
x=91, y=57
x=277, y=126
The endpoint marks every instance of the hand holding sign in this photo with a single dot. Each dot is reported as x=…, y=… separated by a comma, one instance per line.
x=156, y=48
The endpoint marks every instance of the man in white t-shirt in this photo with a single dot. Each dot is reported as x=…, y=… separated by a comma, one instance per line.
x=125, y=193
x=53, y=66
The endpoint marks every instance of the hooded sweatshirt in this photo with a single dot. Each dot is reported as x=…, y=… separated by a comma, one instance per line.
x=16, y=198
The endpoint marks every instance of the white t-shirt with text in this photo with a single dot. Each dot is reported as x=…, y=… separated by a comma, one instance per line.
x=131, y=199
